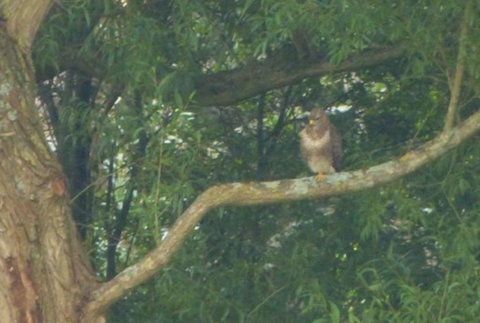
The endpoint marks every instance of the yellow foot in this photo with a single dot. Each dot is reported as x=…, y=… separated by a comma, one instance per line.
x=405, y=157
x=320, y=177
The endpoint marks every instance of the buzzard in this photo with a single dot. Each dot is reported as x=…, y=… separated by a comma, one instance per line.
x=320, y=144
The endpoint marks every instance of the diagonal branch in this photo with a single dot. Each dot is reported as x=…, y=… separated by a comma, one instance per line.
x=254, y=193
x=457, y=80
x=281, y=69
x=228, y=87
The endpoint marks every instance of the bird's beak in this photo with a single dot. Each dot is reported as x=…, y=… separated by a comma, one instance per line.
x=311, y=122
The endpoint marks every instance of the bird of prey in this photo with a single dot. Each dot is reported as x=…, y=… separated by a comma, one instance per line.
x=321, y=145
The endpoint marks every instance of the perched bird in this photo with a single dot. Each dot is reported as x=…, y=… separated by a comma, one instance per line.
x=321, y=145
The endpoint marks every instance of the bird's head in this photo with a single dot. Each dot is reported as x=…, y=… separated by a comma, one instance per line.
x=317, y=117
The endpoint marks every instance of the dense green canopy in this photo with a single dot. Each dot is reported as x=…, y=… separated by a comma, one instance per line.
x=148, y=103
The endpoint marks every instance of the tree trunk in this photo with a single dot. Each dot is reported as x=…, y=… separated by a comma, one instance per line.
x=45, y=272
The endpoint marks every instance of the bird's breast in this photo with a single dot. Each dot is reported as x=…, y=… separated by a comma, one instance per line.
x=314, y=142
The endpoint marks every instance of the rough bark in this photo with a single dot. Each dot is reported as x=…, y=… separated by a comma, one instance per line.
x=45, y=272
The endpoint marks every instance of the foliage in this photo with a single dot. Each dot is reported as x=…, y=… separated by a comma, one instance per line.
x=117, y=82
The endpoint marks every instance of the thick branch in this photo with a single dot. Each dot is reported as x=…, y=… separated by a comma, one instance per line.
x=457, y=80
x=23, y=18
x=270, y=192
x=282, y=69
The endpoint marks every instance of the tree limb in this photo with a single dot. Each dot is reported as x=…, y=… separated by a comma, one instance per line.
x=254, y=193
x=457, y=80
x=282, y=69
x=23, y=17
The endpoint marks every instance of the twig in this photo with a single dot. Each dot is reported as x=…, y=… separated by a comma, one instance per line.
x=265, y=300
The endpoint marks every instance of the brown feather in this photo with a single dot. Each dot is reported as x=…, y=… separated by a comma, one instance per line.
x=321, y=144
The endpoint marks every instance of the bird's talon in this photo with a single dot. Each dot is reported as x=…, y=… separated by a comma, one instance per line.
x=320, y=177
x=405, y=157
